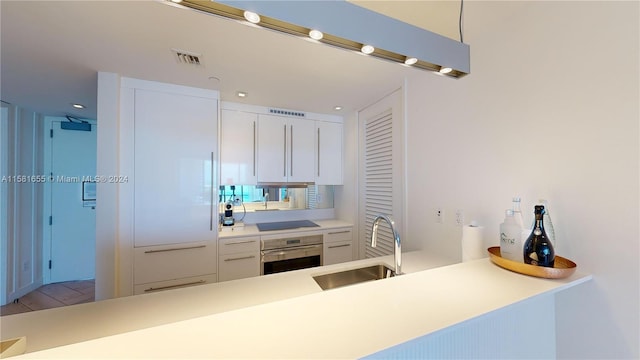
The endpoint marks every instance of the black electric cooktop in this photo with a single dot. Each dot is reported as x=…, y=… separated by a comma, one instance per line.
x=285, y=225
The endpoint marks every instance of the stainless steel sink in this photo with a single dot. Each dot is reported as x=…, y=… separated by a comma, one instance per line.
x=354, y=276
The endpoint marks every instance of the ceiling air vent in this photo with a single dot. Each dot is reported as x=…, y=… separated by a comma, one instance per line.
x=187, y=57
x=287, y=112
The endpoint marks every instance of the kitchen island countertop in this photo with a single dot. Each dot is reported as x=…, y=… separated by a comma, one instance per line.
x=263, y=317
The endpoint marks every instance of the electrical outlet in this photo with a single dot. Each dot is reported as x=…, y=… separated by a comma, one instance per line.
x=439, y=216
x=459, y=217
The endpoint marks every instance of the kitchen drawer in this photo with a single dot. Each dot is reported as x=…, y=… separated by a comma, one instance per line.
x=337, y=252
x=168, y=262
x=334, y=235
x=238, y=245
x=174, y=284
x=239, y=266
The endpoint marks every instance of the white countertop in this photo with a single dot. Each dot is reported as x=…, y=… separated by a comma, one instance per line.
x=287, y=315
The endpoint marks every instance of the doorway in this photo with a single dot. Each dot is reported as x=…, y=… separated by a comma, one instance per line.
x=70, y=198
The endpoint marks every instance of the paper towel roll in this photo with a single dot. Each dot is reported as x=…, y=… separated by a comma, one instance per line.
x=472, y=243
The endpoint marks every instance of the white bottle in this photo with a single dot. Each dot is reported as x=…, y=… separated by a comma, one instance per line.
x=517, y=213
x=511, y=238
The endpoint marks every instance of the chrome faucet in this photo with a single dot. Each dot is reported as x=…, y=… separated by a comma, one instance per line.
x=266, y=198
x=397, y=248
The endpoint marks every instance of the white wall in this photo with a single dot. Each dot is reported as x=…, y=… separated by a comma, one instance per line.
x=107, y=211
x=345, y=197
x=550, y=110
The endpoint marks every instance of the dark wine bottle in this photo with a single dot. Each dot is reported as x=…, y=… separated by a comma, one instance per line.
x=538, y=249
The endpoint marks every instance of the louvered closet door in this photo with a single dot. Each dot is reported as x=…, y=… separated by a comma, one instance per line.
x=382, y=180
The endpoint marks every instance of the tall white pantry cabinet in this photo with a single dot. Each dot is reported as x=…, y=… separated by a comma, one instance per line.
x=170, y=138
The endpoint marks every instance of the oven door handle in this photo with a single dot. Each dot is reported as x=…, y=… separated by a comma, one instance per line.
x=287, y=250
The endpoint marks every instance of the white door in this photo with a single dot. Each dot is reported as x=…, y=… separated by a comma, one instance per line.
x=73, y=221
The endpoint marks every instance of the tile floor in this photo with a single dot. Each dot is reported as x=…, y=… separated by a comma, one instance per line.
x=53, y=295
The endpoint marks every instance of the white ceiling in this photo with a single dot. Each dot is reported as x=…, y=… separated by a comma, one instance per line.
x=51, y=52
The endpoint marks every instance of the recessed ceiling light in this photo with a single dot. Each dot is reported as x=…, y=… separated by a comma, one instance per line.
x=242, y=94
x=316, y=34
x=176, y=1
x=410, y=61
x=445, y=70
x=78, y=106
x=337, y=108
x=252, y=17
x=367, y=49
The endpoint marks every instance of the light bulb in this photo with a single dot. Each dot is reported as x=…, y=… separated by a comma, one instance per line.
x=252, y=17
x=445, y=70
x=316, y=34
x=410, y=61
x=367, y=49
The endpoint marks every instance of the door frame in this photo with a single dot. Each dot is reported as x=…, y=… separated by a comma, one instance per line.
x=46, y=201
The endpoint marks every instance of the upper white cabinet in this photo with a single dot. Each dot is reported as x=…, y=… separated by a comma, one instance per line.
x=238, y=153
x=266, y=145
x=329, y=153
x=286, y=149
x=175, y=154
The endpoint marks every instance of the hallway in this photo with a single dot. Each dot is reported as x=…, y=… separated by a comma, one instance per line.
x=52, y=296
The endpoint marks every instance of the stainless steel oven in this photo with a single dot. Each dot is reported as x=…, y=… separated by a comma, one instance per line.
x=280, y=254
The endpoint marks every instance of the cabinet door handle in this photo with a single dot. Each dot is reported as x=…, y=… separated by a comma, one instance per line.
x=284, y=158
x=339, y=246
x=211, y=200
x=151, y=289
x=291, y=149
x=339, y=232
x=254, y=148
x=241, y=258
x=318, y=152
x=241, y=242
x=175, y=249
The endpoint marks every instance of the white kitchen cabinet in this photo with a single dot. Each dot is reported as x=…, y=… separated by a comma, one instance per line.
x=238, y=148
x=239, y=258
x=286, y=149
x=169, y=136
x=329, y=154
x=337, y=246
x=174, y=284
x=175, y=153
x=170, y=262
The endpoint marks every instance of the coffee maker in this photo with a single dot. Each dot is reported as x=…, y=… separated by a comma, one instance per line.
x=227, y=219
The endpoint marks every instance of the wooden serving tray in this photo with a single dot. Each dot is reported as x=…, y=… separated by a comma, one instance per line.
x=562, y=267
x=13, y=347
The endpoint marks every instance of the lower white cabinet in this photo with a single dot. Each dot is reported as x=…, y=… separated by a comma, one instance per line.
x=337, y=246
x=238, y=258
x=173, y=284
x=168, y=266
